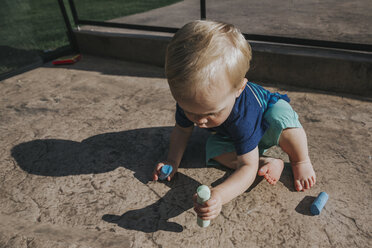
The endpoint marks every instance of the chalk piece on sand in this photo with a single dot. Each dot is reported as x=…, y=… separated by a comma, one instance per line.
x=165, y=171
x=318, y=204
x=204, y=193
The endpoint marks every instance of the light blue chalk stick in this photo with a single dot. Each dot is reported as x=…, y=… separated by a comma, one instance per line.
x=204, y=193
x=319, y=203
x=165, y=171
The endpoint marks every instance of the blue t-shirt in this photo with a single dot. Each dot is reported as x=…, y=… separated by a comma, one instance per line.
x=245, y=125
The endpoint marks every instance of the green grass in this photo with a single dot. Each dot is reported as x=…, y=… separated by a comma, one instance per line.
x=30, y=27
x=110, y=9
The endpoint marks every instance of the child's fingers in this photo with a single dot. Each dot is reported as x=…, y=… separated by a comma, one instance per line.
x=155, y=173
x=208, y=203
x=194, y=198
x=158, y=166
x=209, y=210
x=204, y=211
x=155, y=177
x=206, y=208
x=172, y=174
x=210, y=214
x=170, y=177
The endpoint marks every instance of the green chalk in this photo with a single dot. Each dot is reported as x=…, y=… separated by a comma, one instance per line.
x=204, y=193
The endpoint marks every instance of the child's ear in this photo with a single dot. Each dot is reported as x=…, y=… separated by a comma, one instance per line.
x=242, y=87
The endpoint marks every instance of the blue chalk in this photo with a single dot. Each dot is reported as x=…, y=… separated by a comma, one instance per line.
x=319, y=203
x=165, y=171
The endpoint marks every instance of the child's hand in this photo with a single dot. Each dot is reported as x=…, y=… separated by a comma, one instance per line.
x=156, y=172
x=211, y=208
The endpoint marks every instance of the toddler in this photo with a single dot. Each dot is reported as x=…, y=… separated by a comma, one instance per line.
x=206, y=64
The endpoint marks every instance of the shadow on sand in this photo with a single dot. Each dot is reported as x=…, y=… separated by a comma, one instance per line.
x=287, y=177
x=136, y=150
x=304, y=206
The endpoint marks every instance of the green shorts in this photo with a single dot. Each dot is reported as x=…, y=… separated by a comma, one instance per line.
x=280, y=116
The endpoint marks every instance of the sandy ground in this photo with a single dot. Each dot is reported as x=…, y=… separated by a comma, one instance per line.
x=78, y=145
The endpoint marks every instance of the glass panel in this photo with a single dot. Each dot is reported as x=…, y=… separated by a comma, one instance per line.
x=330, y=20
x=99, y=10
x=29, y=29
x=166, y=13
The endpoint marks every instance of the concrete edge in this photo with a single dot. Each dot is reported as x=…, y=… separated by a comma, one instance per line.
x=316, y=68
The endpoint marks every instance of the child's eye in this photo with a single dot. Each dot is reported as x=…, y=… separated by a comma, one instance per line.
x=212, y=114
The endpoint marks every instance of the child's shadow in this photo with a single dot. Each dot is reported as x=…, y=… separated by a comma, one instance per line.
x=156, y=216
x=287, y=177
x=136, y=150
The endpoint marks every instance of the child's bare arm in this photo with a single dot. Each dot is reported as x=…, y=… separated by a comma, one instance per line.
x=236, y=184
x=241, y=179
x=177, y=145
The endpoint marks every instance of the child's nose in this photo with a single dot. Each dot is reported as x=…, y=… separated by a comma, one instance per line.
x=202, y=120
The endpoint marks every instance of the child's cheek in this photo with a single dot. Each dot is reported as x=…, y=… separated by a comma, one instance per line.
x=219, y=120
x=215, y=121
x=190, y=117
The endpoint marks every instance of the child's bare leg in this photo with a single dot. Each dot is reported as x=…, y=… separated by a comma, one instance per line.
x=293, y=141
x=271, y=167
x=229, y=159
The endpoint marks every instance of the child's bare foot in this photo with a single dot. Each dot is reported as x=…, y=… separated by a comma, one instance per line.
x=303, y=175
x=271, y=169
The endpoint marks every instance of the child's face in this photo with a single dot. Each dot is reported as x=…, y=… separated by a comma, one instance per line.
x=211, y=110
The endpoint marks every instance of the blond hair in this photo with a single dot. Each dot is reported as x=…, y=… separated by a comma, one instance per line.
x=200, y=50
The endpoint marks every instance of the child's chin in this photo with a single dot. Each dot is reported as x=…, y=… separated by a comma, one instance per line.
x=206, y=126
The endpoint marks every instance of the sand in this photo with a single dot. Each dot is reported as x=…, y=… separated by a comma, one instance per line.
x=78, y=146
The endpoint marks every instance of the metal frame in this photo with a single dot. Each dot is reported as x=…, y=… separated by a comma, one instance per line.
x=70, y=33
x=203, y=10
x=253, y=37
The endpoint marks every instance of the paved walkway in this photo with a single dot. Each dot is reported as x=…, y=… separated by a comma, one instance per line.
x=333, y=20
x=78, y=145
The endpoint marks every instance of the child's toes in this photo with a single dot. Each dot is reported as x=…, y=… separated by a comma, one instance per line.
x=303, y=183
x=262, y=171
x=311, y=183
x=270, y=180
x=307, y=184
x=298, y=185
x=273, y=181
x=313, y=179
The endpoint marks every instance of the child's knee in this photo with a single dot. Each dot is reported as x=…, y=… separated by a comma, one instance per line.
x=292, y=133
x=229, y=160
